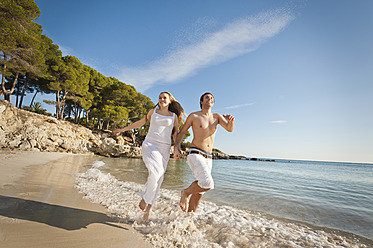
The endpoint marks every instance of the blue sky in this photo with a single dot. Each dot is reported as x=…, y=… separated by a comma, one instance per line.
x=297, y=75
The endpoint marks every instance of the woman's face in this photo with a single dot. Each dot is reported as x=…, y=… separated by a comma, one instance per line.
x=164, y=100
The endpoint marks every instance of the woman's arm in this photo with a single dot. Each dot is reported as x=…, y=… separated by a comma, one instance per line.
x=136, y=124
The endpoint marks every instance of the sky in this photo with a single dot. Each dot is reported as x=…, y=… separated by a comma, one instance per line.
x=297, y=75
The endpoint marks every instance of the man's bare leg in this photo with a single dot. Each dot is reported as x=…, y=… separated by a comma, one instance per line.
x=184, y=200
x=194, y=202
x=194, y=188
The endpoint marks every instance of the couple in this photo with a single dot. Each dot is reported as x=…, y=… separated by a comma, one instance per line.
x=164, y=123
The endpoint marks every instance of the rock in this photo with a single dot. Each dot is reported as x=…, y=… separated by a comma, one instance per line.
x=237, y=157
x=33, y=143
x=219, y=155
x=23, y=130
x=25, y=145
x=120, y=140
x=123, y=140
x=14, y=143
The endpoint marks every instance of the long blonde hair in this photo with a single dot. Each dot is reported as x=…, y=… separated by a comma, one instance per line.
x=175, y=107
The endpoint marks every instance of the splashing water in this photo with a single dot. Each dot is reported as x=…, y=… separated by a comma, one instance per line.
x=211, y=226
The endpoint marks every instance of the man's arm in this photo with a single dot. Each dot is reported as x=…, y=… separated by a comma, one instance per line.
x=181, y=135
x=227, y=122
x=174, y=136
x=176, y=128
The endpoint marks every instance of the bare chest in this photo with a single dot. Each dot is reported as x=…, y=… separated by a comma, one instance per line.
x=205, y=125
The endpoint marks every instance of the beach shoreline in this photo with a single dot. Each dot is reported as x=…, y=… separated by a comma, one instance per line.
x=40, y=206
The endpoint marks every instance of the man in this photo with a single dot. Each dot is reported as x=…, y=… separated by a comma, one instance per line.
x=204, y=125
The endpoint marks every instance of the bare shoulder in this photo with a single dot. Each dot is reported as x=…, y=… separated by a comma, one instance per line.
x=195, y=114
x=149, y=115
x=217, y=116
x=150, y=112
x=192, y=118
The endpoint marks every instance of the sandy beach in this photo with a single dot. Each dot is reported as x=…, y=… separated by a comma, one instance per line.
x=40, y=207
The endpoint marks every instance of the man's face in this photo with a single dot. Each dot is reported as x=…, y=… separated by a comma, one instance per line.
x=208, y=100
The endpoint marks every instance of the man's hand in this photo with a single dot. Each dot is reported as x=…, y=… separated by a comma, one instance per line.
x=229, y=118
x=228, y=123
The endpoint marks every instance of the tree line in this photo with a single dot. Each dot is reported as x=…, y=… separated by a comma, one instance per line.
x=31, y=63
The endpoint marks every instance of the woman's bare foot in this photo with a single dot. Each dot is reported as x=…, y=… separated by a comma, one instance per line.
x=183, y=200
x=147, y=212
x=142, y=205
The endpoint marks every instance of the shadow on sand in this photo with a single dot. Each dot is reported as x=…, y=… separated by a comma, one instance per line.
x=54, y=215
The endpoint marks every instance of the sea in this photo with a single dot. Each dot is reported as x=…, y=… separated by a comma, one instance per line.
x=285, y=203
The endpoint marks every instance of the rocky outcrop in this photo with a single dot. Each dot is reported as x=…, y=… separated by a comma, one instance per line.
x=27, y=131
x=222, y=155
x=219, y=155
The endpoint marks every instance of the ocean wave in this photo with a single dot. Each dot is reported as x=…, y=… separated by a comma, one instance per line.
x=211, y=226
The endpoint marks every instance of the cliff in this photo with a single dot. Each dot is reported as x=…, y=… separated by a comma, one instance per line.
x=27, y=131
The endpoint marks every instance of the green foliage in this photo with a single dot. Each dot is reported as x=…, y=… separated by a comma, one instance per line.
x=123, y=100
x=33, y=63
x=216, y=150
x=19, y=43
x=36, y=108
x=185, y=145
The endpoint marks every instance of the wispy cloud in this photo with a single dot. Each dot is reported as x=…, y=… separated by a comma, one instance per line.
x=235, y=39
x=239, y=106
x=279, y=122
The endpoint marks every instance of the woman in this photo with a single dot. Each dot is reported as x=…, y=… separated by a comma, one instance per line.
x=164, y=122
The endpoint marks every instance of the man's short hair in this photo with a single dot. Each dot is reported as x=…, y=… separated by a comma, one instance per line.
x=201, y=99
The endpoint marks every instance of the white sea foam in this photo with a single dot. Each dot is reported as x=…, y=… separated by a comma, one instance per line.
x=211, y=226
x=97, y=164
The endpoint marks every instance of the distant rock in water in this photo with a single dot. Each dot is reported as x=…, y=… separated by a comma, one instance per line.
x=27, y=131
x=260, y=159
x=219, y=155
x=222, y=155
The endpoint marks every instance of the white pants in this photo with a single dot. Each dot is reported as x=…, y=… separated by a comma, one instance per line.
x=155, y=156
x=201, y=168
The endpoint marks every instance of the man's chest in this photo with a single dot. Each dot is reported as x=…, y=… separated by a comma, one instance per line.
x=205, y=125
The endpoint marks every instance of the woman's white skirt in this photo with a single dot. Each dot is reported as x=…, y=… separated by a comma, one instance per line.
x=155, y=156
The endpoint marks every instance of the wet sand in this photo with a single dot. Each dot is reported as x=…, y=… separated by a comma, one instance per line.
x=40, y=207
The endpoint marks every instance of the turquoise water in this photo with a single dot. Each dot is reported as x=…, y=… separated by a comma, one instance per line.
x=322, y=195
x=334, y=195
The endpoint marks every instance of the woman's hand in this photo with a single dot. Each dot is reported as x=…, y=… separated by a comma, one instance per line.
x=176, y=153
x=117, y=131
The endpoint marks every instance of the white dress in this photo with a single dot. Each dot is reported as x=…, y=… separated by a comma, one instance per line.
x=156, y=153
